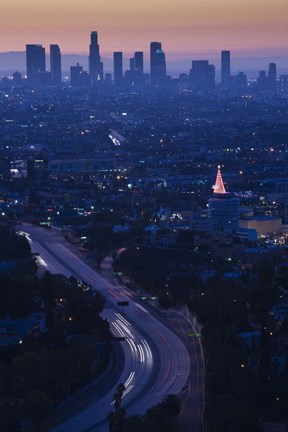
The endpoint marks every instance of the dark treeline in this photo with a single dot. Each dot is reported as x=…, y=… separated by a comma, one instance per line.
x=47, y=365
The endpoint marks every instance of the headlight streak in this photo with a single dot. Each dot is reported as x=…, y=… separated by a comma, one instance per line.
x=125, y=328
x=22, y=233
x=41, y=261
x=132, y=345
x=120, y=331
x=143, y=348
x=129, y=379
x=141, y=351
x=147, y=349
x=127, y=385
x=127, y=390
x=122, y=319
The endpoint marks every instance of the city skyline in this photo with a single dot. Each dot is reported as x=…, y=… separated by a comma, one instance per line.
x=183, y=28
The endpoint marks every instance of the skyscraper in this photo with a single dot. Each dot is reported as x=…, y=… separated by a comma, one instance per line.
x=262, y=81
x=55, y=64
x=95, y=64
x=157, y=63
x=135, y=74
x=223, y=208
x=272, y=76
x=225, y=69
x=241, y=80
x=118, y=67
x=202, y=75
x=17, y=79
x=138, y=62
x=35, y=60
x=75, y=72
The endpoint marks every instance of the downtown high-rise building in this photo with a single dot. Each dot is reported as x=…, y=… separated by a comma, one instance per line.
x=55, y=64
x=78, y=77
x=272, y=76
x=202, y=75
x=75, y=75
x=95, y=64
x=137, y=63
x=225, y=69
x=35, y=61
x=118, y=67
x=157, y=63
x=135, y=74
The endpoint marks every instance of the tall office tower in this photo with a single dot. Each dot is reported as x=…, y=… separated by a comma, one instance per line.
x=118, y=67
x=35, y=61
x=202, y=75
x=154, y=47
x=108, y=79
x=75, y=75
x=55, y=64
x=157, y=63
x=283, y=82
x=262, y=81
x=17, y=79
x=138, y=62
x=223, y=208
x=241, y=80
x=225, y=69
x=272, y=76
x=95, y=64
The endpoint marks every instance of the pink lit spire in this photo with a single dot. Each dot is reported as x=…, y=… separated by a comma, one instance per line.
x=219, y=187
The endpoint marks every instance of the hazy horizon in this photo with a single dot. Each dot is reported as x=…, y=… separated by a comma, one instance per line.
x=11, y=61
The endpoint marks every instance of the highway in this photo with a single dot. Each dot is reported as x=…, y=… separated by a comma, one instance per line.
x=156, y=361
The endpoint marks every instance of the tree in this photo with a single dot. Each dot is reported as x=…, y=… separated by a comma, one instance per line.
x=172, y=405
x=118, y=396
x=111, y=421
x=37, y=407
x=29, y=371
x=117, y=420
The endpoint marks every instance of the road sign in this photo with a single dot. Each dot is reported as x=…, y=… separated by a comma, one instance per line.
x=123, y=303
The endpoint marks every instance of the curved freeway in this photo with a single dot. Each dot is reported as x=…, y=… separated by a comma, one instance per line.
x=156, y=361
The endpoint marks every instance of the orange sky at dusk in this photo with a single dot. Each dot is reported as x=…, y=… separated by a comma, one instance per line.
x=182, y=26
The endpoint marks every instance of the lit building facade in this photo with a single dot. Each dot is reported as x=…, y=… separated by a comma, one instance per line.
x=223, y=208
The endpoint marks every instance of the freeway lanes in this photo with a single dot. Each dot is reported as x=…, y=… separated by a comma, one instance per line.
x=156, y=361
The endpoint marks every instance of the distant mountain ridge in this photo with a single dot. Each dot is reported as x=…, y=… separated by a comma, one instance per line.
x=16, y=61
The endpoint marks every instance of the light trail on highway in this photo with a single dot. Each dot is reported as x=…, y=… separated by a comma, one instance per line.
x=156, y=363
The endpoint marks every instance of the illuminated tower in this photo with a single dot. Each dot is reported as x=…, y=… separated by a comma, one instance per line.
x=95, y=64
x=223, y=208
x=219, y=187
